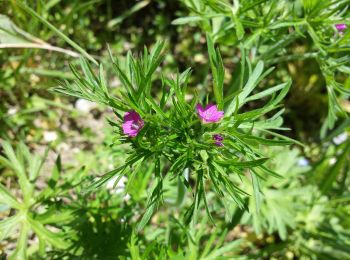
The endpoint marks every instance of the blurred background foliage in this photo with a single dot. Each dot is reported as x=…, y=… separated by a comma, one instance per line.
x=52, y=146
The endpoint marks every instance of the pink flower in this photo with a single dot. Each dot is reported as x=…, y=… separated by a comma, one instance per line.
x=340, y=27
x=218, y=139
x=132, y=123
x=210, y=113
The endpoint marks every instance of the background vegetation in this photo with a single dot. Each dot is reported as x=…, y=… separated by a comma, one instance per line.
x=53, y=146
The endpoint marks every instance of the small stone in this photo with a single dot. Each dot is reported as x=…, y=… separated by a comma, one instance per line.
x=84, y=105
x=303, y=162
x=50, y=136
x=340, y=138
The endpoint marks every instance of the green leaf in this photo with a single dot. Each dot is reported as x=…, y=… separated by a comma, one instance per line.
x=269, y=142
x=147, y=216
x=135, y=8
x=238, y=26
x=335, y=170
x=257, y=192
x=268, y=91
x=21, y=247
x=243, y=164
x=35, y=164
x=309, y=4
x=124, y=79
x=7, y=226
x=218, y=71
x=58, y=32
x=248, y=88
x=152, y=205
x=17, y=164
x=8, y=199
x=227, y=248
x=156, y=107
x=281, y=136
x=52, y=216
x=55, y=239
x=13, y=37
x=186, y=20
x=181, y=190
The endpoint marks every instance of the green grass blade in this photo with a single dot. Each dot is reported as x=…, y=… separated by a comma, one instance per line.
x=57, y=31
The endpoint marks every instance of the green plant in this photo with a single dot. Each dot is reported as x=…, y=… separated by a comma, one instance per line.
x=31, y=212
x=203, y=167
x=170, y=135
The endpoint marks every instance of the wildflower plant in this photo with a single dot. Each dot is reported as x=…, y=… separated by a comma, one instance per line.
x=215, y=140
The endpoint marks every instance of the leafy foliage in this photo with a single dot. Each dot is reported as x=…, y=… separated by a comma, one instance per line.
x=27, y=217
x=271, y=31
x=182, y=188
x=174, y=138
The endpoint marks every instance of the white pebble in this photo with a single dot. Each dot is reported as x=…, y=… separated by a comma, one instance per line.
x=303, y=162
x=340, y=138
x=332, y=161
x=12, y=110
x=50, y=136
x=84, y=105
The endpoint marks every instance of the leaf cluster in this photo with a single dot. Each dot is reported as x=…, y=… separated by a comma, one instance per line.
x=174, y=139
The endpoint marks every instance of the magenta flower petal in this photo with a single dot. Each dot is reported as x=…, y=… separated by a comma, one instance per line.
x=133, y=123
x=340, y=27
x=211, y=108
x=218, y=139
x=217, y=143
x=209, y=114
x=200, y=109
x=132, y=116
